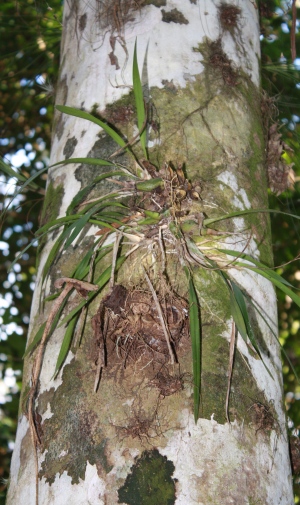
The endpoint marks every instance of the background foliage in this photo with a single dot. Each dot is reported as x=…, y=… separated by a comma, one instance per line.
x=30, y=34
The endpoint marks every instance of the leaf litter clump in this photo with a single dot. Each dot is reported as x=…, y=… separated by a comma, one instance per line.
x=229, y=15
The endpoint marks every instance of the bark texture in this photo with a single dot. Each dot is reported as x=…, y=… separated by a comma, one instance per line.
x=135, y=441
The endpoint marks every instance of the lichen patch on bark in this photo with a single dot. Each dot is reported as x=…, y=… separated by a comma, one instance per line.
x=156, y=3
x=150, y=481
x=82, y=21
x=52, y=202
x=70, y=147
x=229, y=16
x=174, y=16
x=72, y=420
x=61, y=99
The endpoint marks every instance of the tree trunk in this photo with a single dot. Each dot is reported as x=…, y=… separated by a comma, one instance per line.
x=135, y=440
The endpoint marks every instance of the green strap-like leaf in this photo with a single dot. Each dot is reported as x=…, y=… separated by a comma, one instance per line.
x=247, y=257
x=65, y=346
x=31, y=243
x=238, y=316
x=266, y=272
x=195, y=332
x=78, y=227
x=52, y=297
x=238, y=213
x=37, y=338
x=103, y=224
x=78, y=198
x=10, y=172
x=28, y=182
x=148, y=221
x=56, y=223
x=85, y=161
x=54, y=251
x=139, y=101
x=72, y=111
x=269, y=274
x=83, y=266
x=85, y=271
x=84, y=191
x=112, y=215
x=239, y=297
x=255, y=307
x=105, y=201
x=280, y=285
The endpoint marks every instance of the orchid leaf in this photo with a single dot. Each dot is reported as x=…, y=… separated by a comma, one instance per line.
x=139, y=101
x=72, y=111
x=66, y=343
x=239, y=297
x=195, y=332
x=209, y=221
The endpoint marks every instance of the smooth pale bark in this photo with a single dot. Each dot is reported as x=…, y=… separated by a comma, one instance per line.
x=203, y=79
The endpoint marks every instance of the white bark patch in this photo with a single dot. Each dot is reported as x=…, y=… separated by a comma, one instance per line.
x=122, y=462
x=83, y=147
x=202, y=459
x=242, y=243
x=47, y=414
x=47, y=381
x=264, y=297
x=90, y=491
x=248, y=57
x=85, y=142
x=71, y=190
x=240, y=200
x=16, y=457
x=62, y=454
x=171, y=55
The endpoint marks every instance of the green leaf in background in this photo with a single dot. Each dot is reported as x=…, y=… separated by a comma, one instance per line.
x=28, y=183
x=10, y=172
